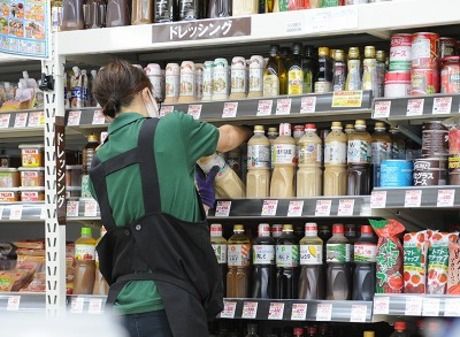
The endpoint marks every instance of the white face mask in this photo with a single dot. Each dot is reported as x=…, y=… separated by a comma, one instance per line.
x=151, y=106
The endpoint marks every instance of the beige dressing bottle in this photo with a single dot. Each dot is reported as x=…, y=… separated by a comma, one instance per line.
x=283, y=156
x=335, y=162
x=309, y=175
x=258, y=176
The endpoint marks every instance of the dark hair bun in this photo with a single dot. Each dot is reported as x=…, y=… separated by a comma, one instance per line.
x=112, y=107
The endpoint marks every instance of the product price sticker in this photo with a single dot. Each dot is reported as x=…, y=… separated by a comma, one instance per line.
x=299, y=312
x=4, y=120
x=381, y=305
x=413, y=306
x=276, y=311
x=229, y=310
x=442, y=105
x=446, y=198
x=166, y=109
x=74, y=118
x=324, y=312
x=72, y=208
x=98, y=117
x=295, y=208
x=230, y=109
x=347, y=99
x=20, y=120
x=15, y=212
x=431, y=307
x=194, y=110
x=413, y=198
x=378, y=199
x=308, y=105
x=358, y=313
x=90, y=208
x=382, y=109
x=346, y=207
x=95, y=306
x=77, y=304
x=452, y=307
x=36, y=119
x=223, y=208
x=323, y=207
x=264, y=107
x=415, y=107
x=250, y=310
x=269, y=207
x=13, y=303
x=283, y=106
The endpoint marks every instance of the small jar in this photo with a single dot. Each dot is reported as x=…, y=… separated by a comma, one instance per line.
x=32, y=176
x=9, y=194
x=450, y=75
x=32, y=194
x=32, y=155
x=9, y=177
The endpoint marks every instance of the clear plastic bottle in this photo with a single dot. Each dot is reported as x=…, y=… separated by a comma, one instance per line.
x=187, y=82
x=398, y=144
x=239, y=85
x=349, y=129
x=358, y=159
x=101, y=286
x=142, y=12
x=118, y=13
x=256, y=76
x=381, y=69
x=258, y=176
x=380, y=150
x=370, y=79
x=338, y=265
x=339, y=71
x=287, y=262
x=264, y=269
x=365, y=251
x=239, y=261
x=283, y=155
x=354, y=70
x=272, y=74
x=72, y=15
x=85, y=251
x=335, y=154
x=219, y=245
x=309, y=174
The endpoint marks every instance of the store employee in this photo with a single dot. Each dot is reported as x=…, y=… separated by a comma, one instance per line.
x=156, y=255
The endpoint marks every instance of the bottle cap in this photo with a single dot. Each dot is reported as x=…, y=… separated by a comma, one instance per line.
x=276, y=230
x=310, y=126
x=299, y=128
x=296, y=48
x=366, y=229
x=360, y=124
x=238, y=62
x=339, y=55
x=272, y=129
x=336, y=126
x=369, y=334
x=349, y=127
x=400, y=326
x=338, y=229
x=86, y=231
x=309, y=51
x=311, y=227
x=369, y=52
x=238, y=228
x=288, y=228
x=381, y=56
x=92, y=138
x=173, y=69
x=312, y=330
x=216, y=230
x=298, y=331
x=332, y=53
x=259, y=128
x=285, y=129
x=323, y=51
x=353, y=53
x=264, y=230
x=380, y=126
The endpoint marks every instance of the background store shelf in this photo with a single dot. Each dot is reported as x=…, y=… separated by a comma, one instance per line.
x=22, y=302
x=86, y=304
x=22, y=212
x=21, y=123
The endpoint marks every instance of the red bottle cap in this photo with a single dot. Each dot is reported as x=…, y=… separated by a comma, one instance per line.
x=264, y=230
x=310, y=126
x=366, y=229
x=298, y=331
x=400, y=326
x=338, y=229
x=312, y=330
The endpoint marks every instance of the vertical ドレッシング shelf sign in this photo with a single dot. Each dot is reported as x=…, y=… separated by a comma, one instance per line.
x=59, y=145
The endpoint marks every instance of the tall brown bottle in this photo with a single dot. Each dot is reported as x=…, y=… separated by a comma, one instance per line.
x=239, y=261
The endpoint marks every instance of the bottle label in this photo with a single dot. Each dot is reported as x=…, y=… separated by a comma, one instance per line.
x=365, y=252
x=380, y=151
x=84, y=252
x=221, y=253
x=308, y=82
x=188, y=10
x=239, y=255
x=338, y=252
x=283, y=153
x=220, y=81
x=162, y=11
x=335, y=153
x=295, y=81
x=287, y=256
x=339, y=77
x=271, y=85
x=310, y=154
x=255, y=79
x=258, y=156
x=354, y=75
x=311, y=255
x=358, y=151
x=238, y=81
x=263, y=254
x=172, y=86
x=187, y=84
x=370, y=75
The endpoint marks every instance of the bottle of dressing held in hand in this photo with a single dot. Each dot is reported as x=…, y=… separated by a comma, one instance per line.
x=258, y=176
x=227, y=183
x=335, y=162
x=309, y=182
x=283, y=158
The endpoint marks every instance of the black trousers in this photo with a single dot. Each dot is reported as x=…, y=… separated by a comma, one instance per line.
x=149, y=324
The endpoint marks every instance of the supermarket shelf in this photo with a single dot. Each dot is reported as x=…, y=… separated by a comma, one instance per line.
x=22, y=123
x=339, y=21
x=297, y=310
x=416, y=305
x=320, y=207
x=22, y=302
x=22, y=212
x=413, y=109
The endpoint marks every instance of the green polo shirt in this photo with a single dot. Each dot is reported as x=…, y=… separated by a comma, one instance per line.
x=179, y=142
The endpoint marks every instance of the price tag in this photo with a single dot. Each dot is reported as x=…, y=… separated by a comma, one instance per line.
x=264, y=107
x=299, y=312
x=15, y=212
x=346, y=207
x=413, y=198
x=230, y=109
x=20, y=120
x=324, y=312
x=358, y=313
x=77, y=304
x=4, y=120
x=283, y=106
x=415, y=107
x=347, y=99
x=378, y=199
x=381, y=305
x=95, y=306
x=98, y=117
x=382, y=109
x=431, y=307
x=308, y=105
x=333, y=19
x=166, y=109
x=250, y=310
x=13, y=303
x=413, y=306
x=269, y=207
x=276, y=311
x=90, y=208
x=72, y=208
x=445, y=198
x=452, y=307
x=229, y=310
x=194, y=110
x=36, y=119
x=442, y=105
x=323, y=207
x=223, y=208
x=74, y=118
x=295, y=208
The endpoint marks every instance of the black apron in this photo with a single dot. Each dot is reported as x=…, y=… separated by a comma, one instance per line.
x=176, y=254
